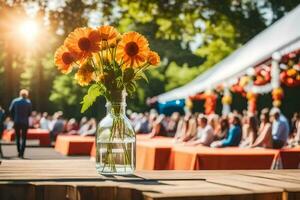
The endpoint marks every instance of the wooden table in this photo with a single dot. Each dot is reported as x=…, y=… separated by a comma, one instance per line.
x=78, y=180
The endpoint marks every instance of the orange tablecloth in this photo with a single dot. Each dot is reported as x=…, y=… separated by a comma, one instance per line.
x=195, y=158
x=153, y=154
x=290, y=158
x=32, y=134
x=160, y=153
x=93, y=150
x=74, y=144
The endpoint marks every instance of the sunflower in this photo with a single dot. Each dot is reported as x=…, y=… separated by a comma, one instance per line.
x=83, y=41
x=133, y=49
x=109, y=34
x=64, y=59
x=153, y=58
x=85, y=74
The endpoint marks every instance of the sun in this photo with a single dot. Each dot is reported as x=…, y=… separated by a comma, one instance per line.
x=29, y=29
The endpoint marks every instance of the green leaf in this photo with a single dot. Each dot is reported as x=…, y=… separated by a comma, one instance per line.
x=141, y=75
x=93, y=92
x=130, y=88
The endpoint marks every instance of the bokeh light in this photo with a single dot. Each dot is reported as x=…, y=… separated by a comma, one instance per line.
x=29, y=30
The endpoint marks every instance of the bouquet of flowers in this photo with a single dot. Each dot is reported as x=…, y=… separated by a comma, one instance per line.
x=111, y=64
x=106, y=60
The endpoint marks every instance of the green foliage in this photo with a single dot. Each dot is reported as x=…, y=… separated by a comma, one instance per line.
x=179, y=75
x=220, y=42
x=89, y=99
x=66, y=92
x=170, y=27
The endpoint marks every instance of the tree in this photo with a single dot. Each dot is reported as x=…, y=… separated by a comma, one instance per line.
x=213, y=28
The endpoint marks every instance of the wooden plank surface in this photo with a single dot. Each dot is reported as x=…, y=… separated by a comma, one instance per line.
x=78, y=180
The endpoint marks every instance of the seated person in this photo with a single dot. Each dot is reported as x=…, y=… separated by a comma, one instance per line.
x=234, y=134
x=89, y=128
x=72, y=125
x=158, y=128
x=205, y=133
x=186, y=129
x=297, y=132
x=223, y=129
x=264, y=138
x=280, y=128
x=142, y=126
x=8, y=124
x=213, y=121
x=58, y=126
x=44, y=122
x=172, y=123
x=295, y=139
x=83, y=121
x=251, y=132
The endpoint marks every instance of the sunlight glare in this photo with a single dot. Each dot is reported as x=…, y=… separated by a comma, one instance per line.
x=29, y=29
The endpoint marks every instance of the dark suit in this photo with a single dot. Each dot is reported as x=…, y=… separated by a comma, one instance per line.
x=20, y=109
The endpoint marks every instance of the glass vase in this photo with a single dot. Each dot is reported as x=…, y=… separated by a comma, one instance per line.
x=115, y=140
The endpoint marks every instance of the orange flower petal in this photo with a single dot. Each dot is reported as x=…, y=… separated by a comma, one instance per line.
x=132, y=49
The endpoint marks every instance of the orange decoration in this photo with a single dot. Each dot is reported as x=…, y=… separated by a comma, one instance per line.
x=277, y=95
x=252, y=98
x=210, y=101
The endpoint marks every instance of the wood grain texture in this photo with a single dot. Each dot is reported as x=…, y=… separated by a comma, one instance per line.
x=78, y=180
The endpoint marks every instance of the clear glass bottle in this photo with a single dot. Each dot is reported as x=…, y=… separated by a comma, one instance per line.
x=115, y=141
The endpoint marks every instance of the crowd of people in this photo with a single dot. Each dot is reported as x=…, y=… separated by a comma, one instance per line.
x=56, y=124
x=270, y=129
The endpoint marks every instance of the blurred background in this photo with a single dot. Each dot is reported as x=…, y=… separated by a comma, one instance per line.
x=190, y=36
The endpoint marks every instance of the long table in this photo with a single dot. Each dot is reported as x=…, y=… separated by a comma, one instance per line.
x=78, y=180
x=163, y=154
x=195, y=158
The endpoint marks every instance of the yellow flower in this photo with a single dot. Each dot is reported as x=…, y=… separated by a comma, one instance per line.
x=291, y=72
x=251, y=95
x=244, y=80
x=84, y=74
x=153, y=58
x=277, y=91
x=133, y=49
x=83, y=41
x=227, y=100
x=277, y=103
x=109, y=34
x=64, y=59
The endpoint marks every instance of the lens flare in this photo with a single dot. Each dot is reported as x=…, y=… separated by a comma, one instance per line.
x=29, y=30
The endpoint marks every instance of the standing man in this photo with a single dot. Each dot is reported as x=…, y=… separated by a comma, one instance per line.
x=20, y=110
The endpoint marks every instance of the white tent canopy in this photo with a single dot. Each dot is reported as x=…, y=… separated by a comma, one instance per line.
x=282, y=36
